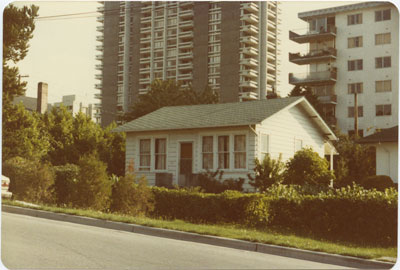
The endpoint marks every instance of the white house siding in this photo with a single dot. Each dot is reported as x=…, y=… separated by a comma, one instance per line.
x=387, y=160
x=287, y=126
x=175, y=137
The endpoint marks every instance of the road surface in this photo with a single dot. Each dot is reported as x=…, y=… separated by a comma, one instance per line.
x=35, y=243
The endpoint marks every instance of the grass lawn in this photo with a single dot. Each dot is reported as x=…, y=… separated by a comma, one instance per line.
x=232, y=231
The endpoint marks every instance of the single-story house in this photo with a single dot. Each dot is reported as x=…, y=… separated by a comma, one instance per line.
x=386, y=145
x=180, y=141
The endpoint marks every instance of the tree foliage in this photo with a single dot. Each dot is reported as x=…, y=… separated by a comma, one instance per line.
x=308, y=168
x=307, y=92
x=169, y=93
x=269, y=171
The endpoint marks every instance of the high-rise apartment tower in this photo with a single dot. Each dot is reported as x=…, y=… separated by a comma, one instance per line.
x=353, y=49
x=229, y=46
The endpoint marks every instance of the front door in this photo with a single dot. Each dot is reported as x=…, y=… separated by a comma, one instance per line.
x=185, y=163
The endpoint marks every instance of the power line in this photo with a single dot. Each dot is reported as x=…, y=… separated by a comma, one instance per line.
x=88, y=14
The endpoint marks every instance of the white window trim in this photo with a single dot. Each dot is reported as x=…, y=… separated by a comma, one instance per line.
x=152, y=153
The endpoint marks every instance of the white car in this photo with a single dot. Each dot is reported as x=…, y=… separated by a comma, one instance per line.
x=5, y=183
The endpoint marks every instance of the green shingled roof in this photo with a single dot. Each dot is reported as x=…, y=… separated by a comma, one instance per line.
x=386, y=135
x=208, y=115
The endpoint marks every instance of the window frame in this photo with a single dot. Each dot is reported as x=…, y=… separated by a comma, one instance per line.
x=239, y=152
x=160, y=154
x=384, y=84
x=380, y=15
x=140, y=167
x=383, y=62
x=351, y=87
x=384, y=107
x=355, y=42
x=207, y=153
x=350, y=111
x=354, y=65
x=354, y=19
x=228, y=153
x=381, y=37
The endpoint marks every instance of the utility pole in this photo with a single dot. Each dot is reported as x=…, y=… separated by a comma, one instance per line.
x=355, y=115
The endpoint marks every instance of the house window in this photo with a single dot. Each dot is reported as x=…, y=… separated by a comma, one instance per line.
x=355, y=88
x=383, y=86
x=350, y=112
x=298, y=145
x=144, y=155
x=381, y=39
x=160, y=154
x=264, y=149
x=223, y=152
x=382, y=15
x=354, y=42
x=207, y=152
x=385, y=109
x=240, y=151
x=355, y=65
x=383, y=62
x=354, y=19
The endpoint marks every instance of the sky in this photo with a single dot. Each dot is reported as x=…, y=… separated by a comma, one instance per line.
x=62, y=52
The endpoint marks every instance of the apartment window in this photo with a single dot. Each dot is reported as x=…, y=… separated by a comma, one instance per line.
x=159, y=12
x=223, y=152
x=160, y=154
x=354, y=19
x=158, y=54
x=382, y=15
x=120, y=78
x=213, y=70
x=171, y=63
x=214, y=48
x=240, y=151
x=354, y=42
x=382, y=110
x=121, y=29
x=158, y=44
x=159, y=23
x=207, y=152
x=383, y=62
x=214, y=37
x=355, y=64
x=120, y=68
x=158, y=64
x=213, y=59
x=214, y=5
x=172, y=21
x=172, y=32
x=383, y=86
x=355, y=88
x=214, y=27
x=144, y=155
x=171, y=52
x=159, y=34
x=121, y=48
x=172, y=11
x=350, y=112
x=381, y=39
x=214, y=16
x=264, y=140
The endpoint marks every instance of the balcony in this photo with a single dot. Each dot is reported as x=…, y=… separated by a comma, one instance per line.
x=250, y=18
x=250, y=7
x=99, y=57
x=249, y=62
x=146, y=30
x=100, y=28
x=186, y=34
x=98, y=76
x=187, y=14
x=313, y=78
x=100, y=48
x=100, y=9
x=306, y=35
x=97, y=106
x=145, y=49
x=249, y=73
x=100, y=19
x=184, y=25
x=186, y=45
x=183, y=66
x=313, y=56
x=247, y=96
x=100, y=38
x=250, y=29
x=249, y=51
x=248, y=84
x=99, y=67
x=328, y=99
x=249, y=40
x=98, y=86
x=97, y=96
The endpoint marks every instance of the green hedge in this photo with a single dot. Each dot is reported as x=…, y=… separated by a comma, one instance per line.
x=351, y=214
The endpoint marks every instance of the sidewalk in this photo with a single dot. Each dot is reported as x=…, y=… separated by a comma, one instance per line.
x=320, y=257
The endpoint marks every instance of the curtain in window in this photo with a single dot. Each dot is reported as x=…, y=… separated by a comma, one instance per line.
x=160, y=154
x=223, y=152
x=144, y=163
x=207, y=150
x=240, y=151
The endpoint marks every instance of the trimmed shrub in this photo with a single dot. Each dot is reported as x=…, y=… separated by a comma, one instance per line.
x=211, y=182
x=267, y=172
x=93, y=185
x=131, y=196
x=65, y=183
x=30, y=180
x=307, y=167
x=379, y=182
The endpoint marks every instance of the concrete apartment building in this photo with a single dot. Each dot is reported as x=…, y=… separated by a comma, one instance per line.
x=230, y=46
x=352, y=48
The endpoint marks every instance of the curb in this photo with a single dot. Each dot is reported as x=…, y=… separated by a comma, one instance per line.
x=320, y=257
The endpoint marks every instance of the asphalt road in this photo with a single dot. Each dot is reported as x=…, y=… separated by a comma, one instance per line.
x=35, y=243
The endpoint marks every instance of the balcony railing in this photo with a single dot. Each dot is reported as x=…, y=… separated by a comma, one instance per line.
x=313, y=78
x=313, y=56
x=306, y=35
x=250, y=6
x=329, y=99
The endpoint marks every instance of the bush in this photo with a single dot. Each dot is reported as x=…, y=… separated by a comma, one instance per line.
x=267, y=173
x=65, y=183
x=30, y=180
x=211, y=182
x=93, y=185
x=131, y=196
x=379, y=182
x=307, y=167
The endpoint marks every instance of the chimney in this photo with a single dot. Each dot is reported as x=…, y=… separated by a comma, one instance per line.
x=42, y=97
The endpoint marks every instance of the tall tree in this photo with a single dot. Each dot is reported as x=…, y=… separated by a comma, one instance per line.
x=310, y=96
x=18, y=27
x=169, y=93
